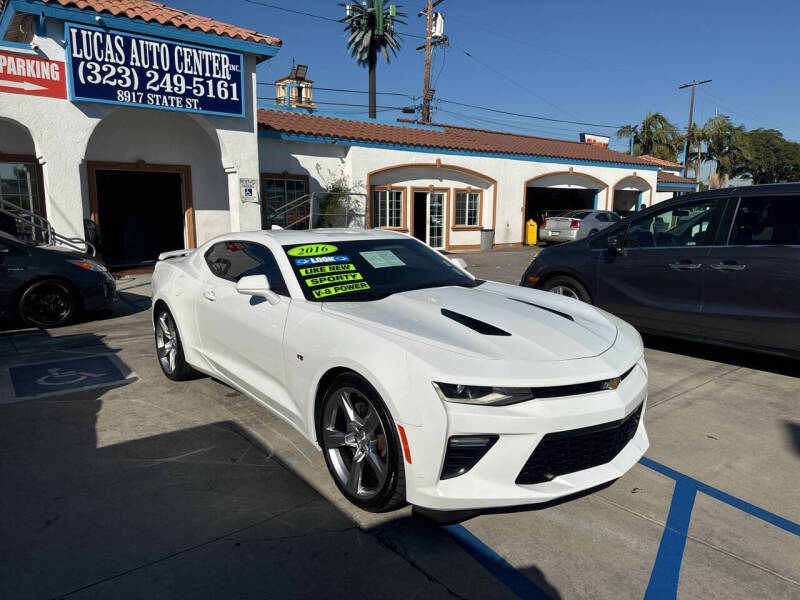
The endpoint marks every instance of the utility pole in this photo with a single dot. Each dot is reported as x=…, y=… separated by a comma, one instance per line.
x=373, y=61
x=693, y=85
x=427, y=92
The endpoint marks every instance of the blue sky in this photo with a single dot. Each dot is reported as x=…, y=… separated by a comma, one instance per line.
x=604, y=63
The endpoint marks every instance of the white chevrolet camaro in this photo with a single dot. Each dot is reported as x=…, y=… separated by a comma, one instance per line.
x=420, y=383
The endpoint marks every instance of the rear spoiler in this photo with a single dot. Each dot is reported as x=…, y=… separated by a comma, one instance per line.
x=175, y=254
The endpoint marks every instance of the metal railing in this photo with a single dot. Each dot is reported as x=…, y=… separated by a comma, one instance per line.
x=320, y=210
x=37, y=230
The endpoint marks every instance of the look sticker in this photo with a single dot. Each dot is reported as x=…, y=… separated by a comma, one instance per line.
x=340, y=278
x=312, y=250
x=321, y=259
x=340, y=289
x=326, y=269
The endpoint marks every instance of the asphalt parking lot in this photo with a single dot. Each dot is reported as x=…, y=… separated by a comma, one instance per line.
x=118, y=483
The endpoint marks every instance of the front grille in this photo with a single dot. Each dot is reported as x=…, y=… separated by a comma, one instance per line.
x=578, y=449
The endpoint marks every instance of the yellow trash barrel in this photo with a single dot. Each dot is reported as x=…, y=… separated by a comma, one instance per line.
x=531, y=231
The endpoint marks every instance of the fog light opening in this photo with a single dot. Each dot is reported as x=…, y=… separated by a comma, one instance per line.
x=464, y=452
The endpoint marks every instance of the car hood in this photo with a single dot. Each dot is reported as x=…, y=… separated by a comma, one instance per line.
x=493, y=321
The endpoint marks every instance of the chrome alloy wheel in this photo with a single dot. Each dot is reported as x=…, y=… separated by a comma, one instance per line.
x=563, y=290
x=354, y=438
x=166, y=342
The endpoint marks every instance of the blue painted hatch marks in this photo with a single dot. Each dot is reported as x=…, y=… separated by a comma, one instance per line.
x=114, y=67
x=54, y=377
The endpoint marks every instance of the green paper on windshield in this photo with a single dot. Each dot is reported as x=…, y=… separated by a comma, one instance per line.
x=380, y=259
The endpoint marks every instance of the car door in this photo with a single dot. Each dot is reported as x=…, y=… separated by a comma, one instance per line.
x=655, y=281
x=241, y=336
x=16, y=267
x=752, y=285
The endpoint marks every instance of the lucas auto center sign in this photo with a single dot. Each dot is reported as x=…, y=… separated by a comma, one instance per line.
x=114, y=67
x=32, y=76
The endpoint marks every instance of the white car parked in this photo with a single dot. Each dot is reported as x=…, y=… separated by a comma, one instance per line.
x=420, y=383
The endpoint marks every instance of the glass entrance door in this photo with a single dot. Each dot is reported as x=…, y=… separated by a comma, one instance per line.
x=436, y=219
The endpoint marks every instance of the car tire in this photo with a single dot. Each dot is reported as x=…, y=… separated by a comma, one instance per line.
x=360, y=444
x=567, y=286
x=169, y=350
x=47, y=303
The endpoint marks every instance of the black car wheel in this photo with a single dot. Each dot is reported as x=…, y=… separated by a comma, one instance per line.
x=169, y=349
x=360, y=445
x=567, y=286
x=47, y=303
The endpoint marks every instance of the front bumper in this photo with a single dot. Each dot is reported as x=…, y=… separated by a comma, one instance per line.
x=491, y=482
x=100, y=294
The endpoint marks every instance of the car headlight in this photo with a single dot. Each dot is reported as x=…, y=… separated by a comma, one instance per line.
x=475, y=394
x=89, y=265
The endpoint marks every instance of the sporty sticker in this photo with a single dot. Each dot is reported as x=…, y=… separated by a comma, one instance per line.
x=321, y=259
x=312, y=250
x=326, y=269
x=340, y=278
x=341, y=289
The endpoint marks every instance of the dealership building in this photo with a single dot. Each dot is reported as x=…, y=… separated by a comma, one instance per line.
x=140, y=122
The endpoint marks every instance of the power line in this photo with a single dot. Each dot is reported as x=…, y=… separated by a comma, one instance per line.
x=352, y=91
x=335, y=103
x=513, y=114
x=289, y=10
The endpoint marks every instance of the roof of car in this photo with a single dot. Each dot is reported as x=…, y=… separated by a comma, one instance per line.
x=287, y=237
x=745, y=190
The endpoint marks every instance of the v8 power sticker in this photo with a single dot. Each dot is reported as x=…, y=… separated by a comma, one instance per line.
x=326, y=269
x=312, y=250
x=328, y=279
x=321, y=259
x=340, y=289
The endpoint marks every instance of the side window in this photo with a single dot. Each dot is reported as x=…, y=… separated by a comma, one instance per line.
x=684, y=225
x=233, y=260
x=767, y=221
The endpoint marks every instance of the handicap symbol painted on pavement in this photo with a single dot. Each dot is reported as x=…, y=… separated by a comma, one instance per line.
x=55, y=377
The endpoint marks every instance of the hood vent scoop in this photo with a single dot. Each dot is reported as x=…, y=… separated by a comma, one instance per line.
x=555, y=312
x=474, y=324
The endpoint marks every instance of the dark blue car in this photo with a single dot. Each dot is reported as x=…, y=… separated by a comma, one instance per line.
x=45, y=287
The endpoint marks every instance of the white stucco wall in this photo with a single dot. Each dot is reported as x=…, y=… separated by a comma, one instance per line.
x=360, y=163
x=65, y=134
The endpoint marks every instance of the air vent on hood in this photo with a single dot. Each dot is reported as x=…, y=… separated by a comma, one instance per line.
x=474, y=324
x=552, y=310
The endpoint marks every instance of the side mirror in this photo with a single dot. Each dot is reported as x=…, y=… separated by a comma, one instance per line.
x=459, y=262
x=615, y=244
x=257, y=285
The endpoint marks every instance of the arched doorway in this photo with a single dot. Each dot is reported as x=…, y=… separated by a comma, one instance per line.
x=155, y=183
x=630, y=195
x=552, y=194
x=443, y=205
x=21, y=183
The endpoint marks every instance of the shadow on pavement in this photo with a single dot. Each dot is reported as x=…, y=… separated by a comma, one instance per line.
x=733, y=356
x=155, y=509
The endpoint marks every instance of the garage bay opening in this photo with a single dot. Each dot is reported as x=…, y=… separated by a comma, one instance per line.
x=541, y=202
x=140, y=214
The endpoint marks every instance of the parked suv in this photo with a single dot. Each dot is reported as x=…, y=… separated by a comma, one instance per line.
x=721, y=266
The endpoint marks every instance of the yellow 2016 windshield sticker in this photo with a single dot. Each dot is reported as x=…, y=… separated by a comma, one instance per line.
x=312, y=250
x=340, y=289
x=336, y=278
x=326, y=269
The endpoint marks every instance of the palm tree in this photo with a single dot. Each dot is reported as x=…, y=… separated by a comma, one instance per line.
x=655, y=136
x=724, y=143
x=371, y=30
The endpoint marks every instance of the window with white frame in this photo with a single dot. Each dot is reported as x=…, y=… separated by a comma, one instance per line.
x=467, y=209
x=387, y=208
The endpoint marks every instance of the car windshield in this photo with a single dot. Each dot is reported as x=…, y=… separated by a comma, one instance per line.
x=370, y=269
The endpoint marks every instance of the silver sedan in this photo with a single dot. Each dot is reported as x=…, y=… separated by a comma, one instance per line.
x=575, y=225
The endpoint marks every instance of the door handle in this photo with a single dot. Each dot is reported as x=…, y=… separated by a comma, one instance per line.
x=210, y=295
x=728, y=267
x=685, y=266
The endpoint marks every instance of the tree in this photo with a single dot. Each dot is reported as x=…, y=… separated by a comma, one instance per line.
x=723, y=144
x=766, y=157
x=371, y=30
x=655, y=136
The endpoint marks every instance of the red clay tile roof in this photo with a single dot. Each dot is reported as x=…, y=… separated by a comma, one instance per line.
x=158, y=13
x=667, y=177
x=660, y=161
x=449, y=137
